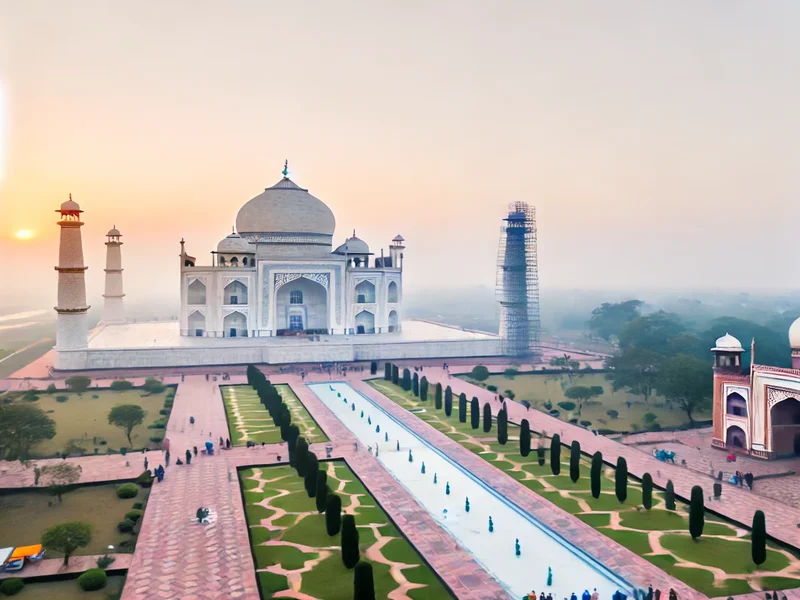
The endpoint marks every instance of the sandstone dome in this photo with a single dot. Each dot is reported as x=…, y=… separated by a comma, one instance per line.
x=794, y=335
x=284, y=209
x=235, y=243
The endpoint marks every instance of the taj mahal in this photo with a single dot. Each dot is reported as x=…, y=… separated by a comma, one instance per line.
x=277, y=291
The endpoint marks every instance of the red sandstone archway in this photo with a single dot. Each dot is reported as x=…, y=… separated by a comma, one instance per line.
x=785, y=427
x=736, y=437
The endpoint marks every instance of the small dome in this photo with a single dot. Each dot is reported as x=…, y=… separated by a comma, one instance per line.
x=794, y=335
x=727, y=343
x=398, y=238
x=113, y=231
x=353, y=245
x=285, y=208
x=70, y=205
x=235, y=243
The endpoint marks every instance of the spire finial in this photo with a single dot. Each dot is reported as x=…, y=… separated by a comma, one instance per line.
x=354, y=232
x=233, y=229
x=286, y=168
x=70, y=196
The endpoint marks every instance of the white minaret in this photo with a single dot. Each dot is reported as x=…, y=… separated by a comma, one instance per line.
x=113, y=310
x=72, y=325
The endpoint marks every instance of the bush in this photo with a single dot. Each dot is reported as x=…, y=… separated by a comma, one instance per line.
x=759, y=538
x=30, y=396
x=510, y=373
x=156, y=439
x=333, y=514
x=164, y=411
x=596, y=474
x=612, y=413
x=555, y=454
x=134, y=515
x=10, y=587
x=350, y=551
x=125, y=526
x=649, y=417
x=502, y=426
x=567, y=406
x=78, y=383
x=621, y=479
x=61, y=398
x=697, y=512
x=138, y=505
x=647, y=491
x=480, y=373
x=95, y=396
x=575, y=461
x=93, y=579
x=105, y=561
x=462, y=408
x=555, y=413
x=475, y=413
x=524, y=438
x=120, y=385
x=586, y=423
x=670, y=495
x=491, y=388
x=547, y=404
x=51, y=389
x=153, y=386
x=363, y=582
x=127, y=490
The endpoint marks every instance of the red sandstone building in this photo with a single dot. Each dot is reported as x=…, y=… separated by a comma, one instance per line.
x=757, y=413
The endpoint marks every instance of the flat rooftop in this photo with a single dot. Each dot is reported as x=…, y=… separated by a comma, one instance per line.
x=166, y=334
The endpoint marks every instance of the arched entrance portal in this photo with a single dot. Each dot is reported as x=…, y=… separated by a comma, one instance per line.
x=301, y=306
x=736, y=437
x=785, y=426
x=365, y=322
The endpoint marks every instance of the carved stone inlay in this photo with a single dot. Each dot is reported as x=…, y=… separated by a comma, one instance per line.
x=775, y=395
x=266, y=238
x=334, y=296
x=284, y=278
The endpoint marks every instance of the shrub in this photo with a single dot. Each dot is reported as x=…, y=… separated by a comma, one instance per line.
x=647, y=491
x=134, y=515
x=555, y=454
x=387, y=371
x=350, y=552
x=510, y=373
x=127, y=490
x=510, y=394
x=437, y=397
x=525, y=438
x=462, y=408
x=480, y=373
x=612, y=413
x=153, y=386
x=502, y=426
x=567, y=406
x=333, y=514
x=95, y=396
x=105, y=561
x=475, y=413
x=697, y=512
x=555, y=413
x=156, y=439
x=125, y=526
x=491, y=388
x=586, y=423
x=93, y=579
x=51, y=389
x=448, y=401
x=596, y=474
x=78, y=383
x=415, y=385
x=574, y=420
x=30, y=396
x=649, y=417
x=363, y=582
x=120, y=385
x=487, y=418
x=621, y=479
x=321, y=499
x=61, y=398
x=406, y=381
x=138, y=505
x=759, y=538
x=11, y=587
x=670, y=495
x=164, y=411
x=575, y=461
x=547, y=404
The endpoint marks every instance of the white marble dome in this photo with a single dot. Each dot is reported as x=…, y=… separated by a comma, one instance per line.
x=794, y=335
x=728, y=343
x=285, y=208
x=70, y=205
x=114, y=232
x=235, y=243
x=353, y=245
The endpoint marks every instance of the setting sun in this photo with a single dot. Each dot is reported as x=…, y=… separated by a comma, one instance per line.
x=24, y=234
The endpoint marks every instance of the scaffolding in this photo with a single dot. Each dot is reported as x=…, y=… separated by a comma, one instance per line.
x=518, y=282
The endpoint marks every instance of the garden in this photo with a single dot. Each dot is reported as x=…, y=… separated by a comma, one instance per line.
x=69, y=589
x=588, y=399
x=717, y=561
x=85, y=420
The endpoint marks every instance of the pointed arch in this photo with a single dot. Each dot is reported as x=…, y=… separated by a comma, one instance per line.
x=197, y=324
x=365, y=322
x=393, y=293
x=197, y=293
x=235, y=325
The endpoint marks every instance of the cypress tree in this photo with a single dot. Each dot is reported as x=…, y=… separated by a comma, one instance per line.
x=350, y=553
x=395, y=374
x=387, y=371
x=475, y=413
x=462, y=408
x=438, y=396
x=301, y=456
x=621, y=479
x=373, y=368
x=502, y=426
x=448, y=401
x=423, y=389
x=312, y=470
x=293, y=432
x=670, y=495
x=487, y=418
x=555, y=454
x=647, y=491
x=406, y=380
x=363, y=584
x=759, y=538
x=575, y=461
x=697, y=512
x=322, y=491
x=415, y=385
x=333, y=514
x=540, y=452
x=524, y=438
x=596, y=474
x=284, y=416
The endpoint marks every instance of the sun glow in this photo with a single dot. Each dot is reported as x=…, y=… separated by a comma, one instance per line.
x=24, y=234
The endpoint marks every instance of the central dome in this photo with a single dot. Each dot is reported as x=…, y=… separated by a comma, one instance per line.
x=285, y=208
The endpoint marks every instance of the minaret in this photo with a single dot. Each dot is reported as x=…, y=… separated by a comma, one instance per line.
x=113, y=309
x=72, y=325
x=396, y=251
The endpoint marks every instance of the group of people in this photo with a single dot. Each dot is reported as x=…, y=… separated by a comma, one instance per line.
x=742, y=479
x=549, y=596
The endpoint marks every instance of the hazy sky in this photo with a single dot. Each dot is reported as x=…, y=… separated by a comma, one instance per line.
x=659, y=141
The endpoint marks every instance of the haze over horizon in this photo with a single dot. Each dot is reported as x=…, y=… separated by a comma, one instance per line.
x=658, y=142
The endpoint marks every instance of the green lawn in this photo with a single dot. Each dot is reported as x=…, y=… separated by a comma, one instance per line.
x=82, y=421
x=727, y=552
x=538, y=388
x=248, y=420
x=24, y=516
x=302, y=525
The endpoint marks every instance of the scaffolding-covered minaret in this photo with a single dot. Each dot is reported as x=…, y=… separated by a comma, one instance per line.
x=72, y=331
x=113, y=309
x=518, y=282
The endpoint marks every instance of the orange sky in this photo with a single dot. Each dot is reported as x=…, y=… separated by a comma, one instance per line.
x=659, y=141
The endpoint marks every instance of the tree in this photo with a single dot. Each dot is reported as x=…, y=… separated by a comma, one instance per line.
x=120, y=385
x=423, y=389
x=575, y=461
x=487, y=418
x=479, y=373
x=524, y=438
x=621, y=479
x=415, y=385
x=333, y=514
x=596, y=474
x=387, y=371
x=406, y=380
x=448, y=401
x=581, y=393
x=350, y=552
x=312, y=470
x=697, y=512
x=59, y=476
x=686, y=382
x=647, y=491
x=475, y=413
x=22, y=426
x=78, y=383
x=608, y=319
x=126, y=416
x=555, y=454
x=670, y=495
x=635, y=370
x=652, y=332
x=438, y=397
x=373, y=368
x=67, y=537
x=321, y=498
x=395, y=374
x=759, y=538
x=566, y=363
x=363, y=583
x=462, y=408
x=301, y=456
x=153, y=385
x=502, y=426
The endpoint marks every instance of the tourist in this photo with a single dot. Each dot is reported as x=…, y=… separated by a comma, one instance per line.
x=573, y=596
x=191, y=420
x=195, y=450
x=586, y=595
x=262, y=444
x=649, y=592
x=595, y=595
x=221, y=442
x=531, y=595
x=227, y=443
